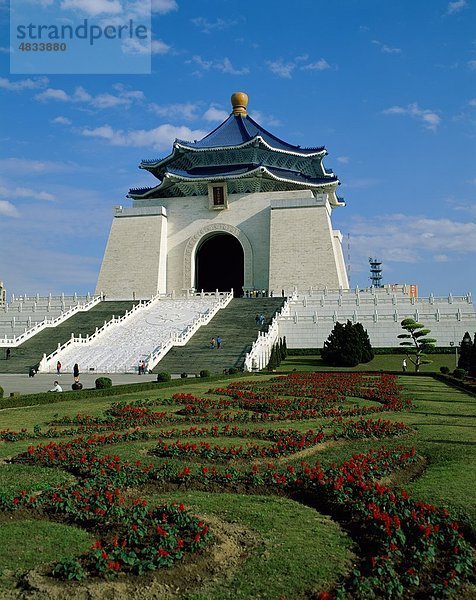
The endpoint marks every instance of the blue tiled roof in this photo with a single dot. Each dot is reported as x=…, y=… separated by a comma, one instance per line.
x=228, y=171
x=237, y=130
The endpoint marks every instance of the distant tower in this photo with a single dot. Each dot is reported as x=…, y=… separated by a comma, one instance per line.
x=375, y=273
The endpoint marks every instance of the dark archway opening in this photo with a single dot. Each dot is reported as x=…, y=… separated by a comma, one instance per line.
x=219, y=264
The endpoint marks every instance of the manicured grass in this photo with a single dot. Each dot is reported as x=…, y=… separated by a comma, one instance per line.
x=25, y=544
x=298, y=551
x=381, y=362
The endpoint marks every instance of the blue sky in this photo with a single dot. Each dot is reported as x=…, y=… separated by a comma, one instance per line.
x=388, y=87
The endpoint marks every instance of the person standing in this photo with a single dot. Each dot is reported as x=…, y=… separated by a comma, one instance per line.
x=212, y=343
x=58, y=368
x=76, y=372
x=218, y=342
x=404, y=365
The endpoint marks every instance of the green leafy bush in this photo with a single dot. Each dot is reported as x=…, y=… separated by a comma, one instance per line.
x=460, y=373
x=163, y=376
x=183, y=375
x=444, y=370
x=204, y=373
x=1, y=392
x=103, y=383
x=77, y=386
x=232, y=371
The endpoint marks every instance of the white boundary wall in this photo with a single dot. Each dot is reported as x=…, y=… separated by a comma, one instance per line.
x=312, y=316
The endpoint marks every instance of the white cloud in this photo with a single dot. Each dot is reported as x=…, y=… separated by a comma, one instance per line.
x=159, y=138
x=186, y=110
x=429, y=118
x=472, y=102
x=224, y=65
x=319, y=65
x=441, y=258
x=123, y=98
x=23, y=84
x=61, y=121
x=264, y=119
x=24, y=165
x=207, y=26
x=159, y=47
x=22, y=192
x=163, y=7
x=285, y=69
x=472, y=64
x=281, y=68
x=386, y=49
x=454, y=7
x=52, y=94
x=93, y=7
x=215, y=114
x=343, y=160
x=7, y=209
x=406, y=238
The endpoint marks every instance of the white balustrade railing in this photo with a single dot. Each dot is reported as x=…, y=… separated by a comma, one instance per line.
x=13, y=342
x=48, y=363
x=47, y=360
x=180, y=339
x=258, y=357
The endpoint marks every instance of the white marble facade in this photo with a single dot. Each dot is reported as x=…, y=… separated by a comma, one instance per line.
x=287, y=241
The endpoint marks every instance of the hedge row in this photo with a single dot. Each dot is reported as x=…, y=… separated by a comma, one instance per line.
x=117, y=390
x=397, y=350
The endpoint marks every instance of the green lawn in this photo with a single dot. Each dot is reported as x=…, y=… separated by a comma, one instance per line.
x=294, y=550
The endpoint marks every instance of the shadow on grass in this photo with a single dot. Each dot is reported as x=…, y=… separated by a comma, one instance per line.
x=452, y=442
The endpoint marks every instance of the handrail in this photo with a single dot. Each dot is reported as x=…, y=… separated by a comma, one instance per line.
x=158, y=353
x=181, y=339
x=257, y=358
x=29, y=333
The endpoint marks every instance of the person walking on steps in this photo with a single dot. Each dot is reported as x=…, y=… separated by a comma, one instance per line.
x=218, y=342
x=212, y=343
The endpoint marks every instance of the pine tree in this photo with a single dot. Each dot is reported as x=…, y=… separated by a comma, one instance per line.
x=466, y=347
x=366, y=346
x=418, y=345
x=347, y=346
x=472, y=359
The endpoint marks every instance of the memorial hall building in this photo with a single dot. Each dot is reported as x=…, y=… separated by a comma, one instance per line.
x=239, y=209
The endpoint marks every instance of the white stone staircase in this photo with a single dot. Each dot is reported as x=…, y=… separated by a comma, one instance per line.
x=145, y=333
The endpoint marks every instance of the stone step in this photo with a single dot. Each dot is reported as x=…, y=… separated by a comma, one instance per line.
x=236, y=325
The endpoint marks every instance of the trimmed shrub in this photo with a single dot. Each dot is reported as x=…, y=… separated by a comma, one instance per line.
x=460, y=373
x=204, y=373
x=232, y=371
x=1, y=392
x=163, y=376
x=103, y=383
x=183, y=375
x=77, y=386
x=444, y=370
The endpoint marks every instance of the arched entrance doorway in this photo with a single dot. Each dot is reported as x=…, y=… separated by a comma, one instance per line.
x=219, y=264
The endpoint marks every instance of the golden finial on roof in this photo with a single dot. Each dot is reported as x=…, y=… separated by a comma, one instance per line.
x=239, y=101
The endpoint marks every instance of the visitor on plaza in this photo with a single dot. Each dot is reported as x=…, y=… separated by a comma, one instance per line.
x=56, y=387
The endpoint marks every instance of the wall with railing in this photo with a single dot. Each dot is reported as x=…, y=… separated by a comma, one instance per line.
x=29, y=325
x=48, y=363
x=258, y=357
x=182, y=338
x=312, y=316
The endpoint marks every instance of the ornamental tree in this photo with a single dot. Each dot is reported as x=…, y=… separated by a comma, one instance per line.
x=416, y=343
x=466, y=347
x=347, y=346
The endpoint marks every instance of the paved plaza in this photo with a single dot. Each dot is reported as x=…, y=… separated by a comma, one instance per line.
x=42, y=382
